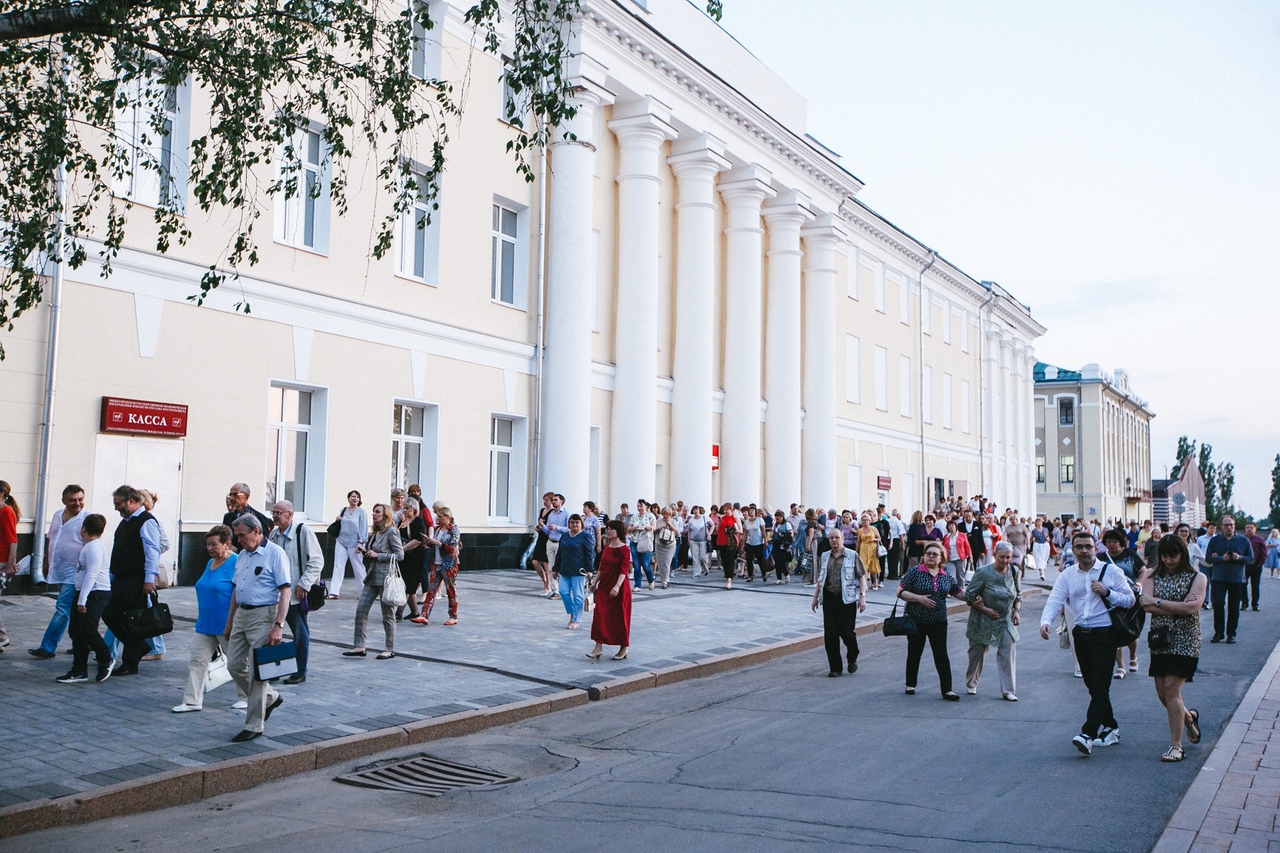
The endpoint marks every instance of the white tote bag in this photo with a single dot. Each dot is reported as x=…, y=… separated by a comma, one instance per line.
x=217, y=674
x=393, y=593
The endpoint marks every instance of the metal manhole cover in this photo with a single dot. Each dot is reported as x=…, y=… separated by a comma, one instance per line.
x=423, y=774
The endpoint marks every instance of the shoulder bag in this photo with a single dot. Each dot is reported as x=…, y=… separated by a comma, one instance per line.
x=334, y=529
x=899, y=626
x=1126, y=622
x=393, y=592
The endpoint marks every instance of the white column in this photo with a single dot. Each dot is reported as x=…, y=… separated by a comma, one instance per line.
x=695, y=161
x=782, y=425
x=1006, y=419
x=566, y=388
x=818, y=477
x=991, y=417
x=641, y=130
x=743, y=191
x=1029, y=394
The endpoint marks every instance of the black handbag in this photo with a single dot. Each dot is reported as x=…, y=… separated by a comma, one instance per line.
x=315, y=597
x=334, y=529
x=1126, y=622
x=147, y=622
x=899, y=626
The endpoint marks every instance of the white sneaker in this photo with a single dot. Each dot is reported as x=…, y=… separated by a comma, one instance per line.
x=1009, y=697
x=240, y=706
x=1110, y=738
x=972, y=691
x=1083, y=743
x=184, y=708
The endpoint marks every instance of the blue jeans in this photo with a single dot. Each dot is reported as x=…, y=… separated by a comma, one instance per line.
x=644, y=560
x=301, y=635
x=60, y=620
x=573, y=593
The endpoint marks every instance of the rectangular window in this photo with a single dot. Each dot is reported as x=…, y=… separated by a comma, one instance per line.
x=853, y=369
x=880, y=288
x=505, y=241
x=855, y=487
x=501, y=433
x=926, y=394
x=424, y=60
x=419, y=256
x=155, y=130
x=1066, y=413
x=407, y=430
x=947, y=403
x=288, y=445
x=926, y=312
x=851, y=280
x=904, y=302
x=1040, y=469
x=515, y=103
x=867, y=274
x=946, y=321
x=964, y=406
x=882, y=379
x=904, y=386
x=303, y=213
x=964, y=331
x=1067, y=469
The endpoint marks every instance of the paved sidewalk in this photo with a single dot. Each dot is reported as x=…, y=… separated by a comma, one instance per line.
x=1234, y=802
x=509, y=645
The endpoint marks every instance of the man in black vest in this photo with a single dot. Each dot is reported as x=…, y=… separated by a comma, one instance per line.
x=135, y=558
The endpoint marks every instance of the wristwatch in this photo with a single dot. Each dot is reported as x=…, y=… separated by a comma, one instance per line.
x=1159, y=603
x=278, y=624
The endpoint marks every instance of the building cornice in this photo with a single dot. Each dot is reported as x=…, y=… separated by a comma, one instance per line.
x=650, y=46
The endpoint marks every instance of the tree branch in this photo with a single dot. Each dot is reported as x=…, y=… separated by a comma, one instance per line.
x=35, y=23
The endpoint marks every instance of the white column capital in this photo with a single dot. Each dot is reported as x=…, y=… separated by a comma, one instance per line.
x=825, y=232
x=746, y=187
x=697, y=156
x=788, y=211
x=641, y=121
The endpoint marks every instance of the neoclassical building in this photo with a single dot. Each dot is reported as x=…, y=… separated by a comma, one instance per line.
x=690, y=303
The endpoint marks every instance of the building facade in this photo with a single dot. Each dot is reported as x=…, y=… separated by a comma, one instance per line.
x=1179, y=498
x=1093, y=445
x=723, y=320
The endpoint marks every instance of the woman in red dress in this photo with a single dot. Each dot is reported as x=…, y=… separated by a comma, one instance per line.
x=611, y=622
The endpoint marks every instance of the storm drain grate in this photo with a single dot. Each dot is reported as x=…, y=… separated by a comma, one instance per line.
x=423, y=774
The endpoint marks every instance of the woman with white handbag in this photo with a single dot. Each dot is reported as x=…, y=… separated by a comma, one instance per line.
x=382, y=555
x=213, y=599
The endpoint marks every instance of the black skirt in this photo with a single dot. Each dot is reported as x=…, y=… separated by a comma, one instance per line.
x=1180, y=666
x=540, y=548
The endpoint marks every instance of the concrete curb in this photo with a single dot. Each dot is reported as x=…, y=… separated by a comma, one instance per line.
x=192, y=784
x=1181, y=831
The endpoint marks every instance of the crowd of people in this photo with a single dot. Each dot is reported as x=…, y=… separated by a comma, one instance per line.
x=263, y=575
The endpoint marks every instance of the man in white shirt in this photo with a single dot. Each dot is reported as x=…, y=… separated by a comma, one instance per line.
x=1091, y=588
x=64, y=549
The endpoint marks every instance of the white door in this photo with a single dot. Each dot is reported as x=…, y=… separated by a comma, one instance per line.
x=154, y=464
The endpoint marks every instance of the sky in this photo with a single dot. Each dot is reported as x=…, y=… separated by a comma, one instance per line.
x=1115, y=165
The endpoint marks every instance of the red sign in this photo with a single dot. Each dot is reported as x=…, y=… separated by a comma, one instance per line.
x=715, y=457
x=883, y=483
x=142, y=416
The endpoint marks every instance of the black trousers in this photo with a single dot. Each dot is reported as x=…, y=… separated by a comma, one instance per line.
x=84, y=632
x=755, y=557
x=895, y=559
x=1253, y=576
x=838, y=621
x=1233, y=593
x=1096, y=653
x=126, y=595
x=782, y=562
x=936, y=634
x=728, y=556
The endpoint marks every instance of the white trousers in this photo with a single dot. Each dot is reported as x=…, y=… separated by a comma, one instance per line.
x=698, y=557
x=341, y=557
x=203, y=649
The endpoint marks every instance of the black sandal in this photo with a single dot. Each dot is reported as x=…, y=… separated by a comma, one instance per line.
x=1193, y=727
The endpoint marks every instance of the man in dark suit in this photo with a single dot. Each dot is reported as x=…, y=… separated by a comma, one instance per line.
x=135, y=558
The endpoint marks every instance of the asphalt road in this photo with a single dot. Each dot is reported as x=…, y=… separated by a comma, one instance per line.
x=777, y=757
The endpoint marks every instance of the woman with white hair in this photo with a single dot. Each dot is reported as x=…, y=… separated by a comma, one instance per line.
x=995, y=601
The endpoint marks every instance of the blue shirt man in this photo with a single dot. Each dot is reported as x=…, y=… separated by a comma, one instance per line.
x=1227, y=556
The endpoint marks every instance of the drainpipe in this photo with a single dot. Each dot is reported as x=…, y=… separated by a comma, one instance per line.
x=539, y=343
x=924, y=480
x=50, y=389
x=983, y=312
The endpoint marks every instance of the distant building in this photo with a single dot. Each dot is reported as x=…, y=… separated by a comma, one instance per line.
x=1180, y=498
x=1092, y=445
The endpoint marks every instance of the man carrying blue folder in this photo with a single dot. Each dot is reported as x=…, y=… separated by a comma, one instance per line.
x=257, y=618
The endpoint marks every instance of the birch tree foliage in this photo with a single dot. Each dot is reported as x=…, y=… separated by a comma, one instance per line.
x=269, y=69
